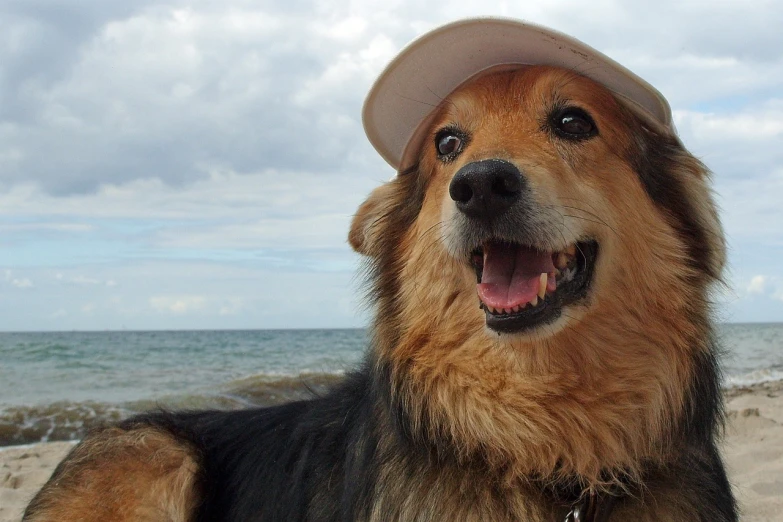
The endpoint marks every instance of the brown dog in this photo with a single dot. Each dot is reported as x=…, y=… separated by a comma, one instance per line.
x=578, y=376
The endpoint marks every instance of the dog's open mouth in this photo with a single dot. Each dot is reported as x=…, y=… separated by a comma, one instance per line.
x=521, y=287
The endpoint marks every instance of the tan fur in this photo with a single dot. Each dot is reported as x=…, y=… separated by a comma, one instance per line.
x=551, y=403
x=116, y=475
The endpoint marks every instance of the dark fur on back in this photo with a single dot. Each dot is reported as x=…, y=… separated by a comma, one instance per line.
x=298, y=461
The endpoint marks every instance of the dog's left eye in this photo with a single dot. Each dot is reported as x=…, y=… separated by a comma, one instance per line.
x=573, y=123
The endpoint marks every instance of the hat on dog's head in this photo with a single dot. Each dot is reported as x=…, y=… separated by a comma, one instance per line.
x=400, y=105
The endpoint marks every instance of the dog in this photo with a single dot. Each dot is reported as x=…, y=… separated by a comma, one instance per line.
x=542, y=345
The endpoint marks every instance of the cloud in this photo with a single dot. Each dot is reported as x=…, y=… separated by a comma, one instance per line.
x=82, y=280
x=182, y=304
x=22, y=283
x=231, y=306
x=168, y=91
x=111, y=92
x=757, y=285
x=57, y=314
x=185, y=294
x=216, y=145
x=17, y=282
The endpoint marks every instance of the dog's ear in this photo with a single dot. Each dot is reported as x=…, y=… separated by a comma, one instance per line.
x=366, y=222
x=679, y=183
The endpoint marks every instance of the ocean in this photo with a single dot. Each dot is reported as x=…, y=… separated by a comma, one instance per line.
x=56, y=385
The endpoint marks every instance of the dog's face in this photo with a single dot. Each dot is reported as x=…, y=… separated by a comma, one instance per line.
x=534, y=205
x=523, y=171
x=541, y=275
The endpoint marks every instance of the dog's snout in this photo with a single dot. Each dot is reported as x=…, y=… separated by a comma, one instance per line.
x=485, y=189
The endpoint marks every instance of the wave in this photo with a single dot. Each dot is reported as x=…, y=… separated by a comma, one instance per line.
x=68, y=420
x=55, y=421
x=755, y=377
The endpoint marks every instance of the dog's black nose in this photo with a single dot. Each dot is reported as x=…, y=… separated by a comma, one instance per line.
x=485, y=189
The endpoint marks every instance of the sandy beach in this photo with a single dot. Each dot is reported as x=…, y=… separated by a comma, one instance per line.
x=753, y=449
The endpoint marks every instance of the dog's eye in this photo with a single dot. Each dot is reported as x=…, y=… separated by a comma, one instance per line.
x=574, y=124
x=449, y=143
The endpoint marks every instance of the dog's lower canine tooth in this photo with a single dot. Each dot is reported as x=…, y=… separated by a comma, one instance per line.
x=534, y=301
x=542, y=285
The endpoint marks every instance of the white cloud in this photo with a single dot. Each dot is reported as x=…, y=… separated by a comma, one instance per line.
x=222, y=195
x=762, y=122
x=8, y=228
x=348, y=29
x=22, y=283
x=154, y=90
x=83, y=280
x=188, y=294
x=17, y=282
x=182, y=304
x=757, y=285
x=231, y=306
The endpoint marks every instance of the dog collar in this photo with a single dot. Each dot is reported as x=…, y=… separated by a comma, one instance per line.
x=592, y=508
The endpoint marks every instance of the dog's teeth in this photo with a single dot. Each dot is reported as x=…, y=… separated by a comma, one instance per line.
x=542, y=285
x=516, y=309
x=534, y=301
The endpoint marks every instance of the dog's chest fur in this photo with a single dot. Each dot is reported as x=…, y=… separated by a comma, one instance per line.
x=473, y=499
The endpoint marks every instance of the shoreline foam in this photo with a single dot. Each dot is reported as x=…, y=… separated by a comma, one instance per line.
x=70, y=420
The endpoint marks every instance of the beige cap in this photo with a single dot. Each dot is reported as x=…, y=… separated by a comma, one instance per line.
x=401, y=103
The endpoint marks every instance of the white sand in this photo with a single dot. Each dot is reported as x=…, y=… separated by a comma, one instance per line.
x=23, y=470
x=753, y=451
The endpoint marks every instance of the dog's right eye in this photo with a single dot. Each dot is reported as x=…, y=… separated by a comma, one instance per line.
x=449, y=143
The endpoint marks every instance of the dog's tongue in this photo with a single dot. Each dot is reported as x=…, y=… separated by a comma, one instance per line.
x=511, y=274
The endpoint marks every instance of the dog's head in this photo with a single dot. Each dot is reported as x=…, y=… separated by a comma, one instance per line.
x=547, y=232
x=538, y=196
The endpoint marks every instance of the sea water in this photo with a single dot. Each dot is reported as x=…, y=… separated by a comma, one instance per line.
x=55, y=385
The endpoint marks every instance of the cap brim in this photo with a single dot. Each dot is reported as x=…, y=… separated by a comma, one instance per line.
x=406, y=93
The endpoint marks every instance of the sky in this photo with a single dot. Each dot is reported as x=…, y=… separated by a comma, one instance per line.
x=191, y=165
